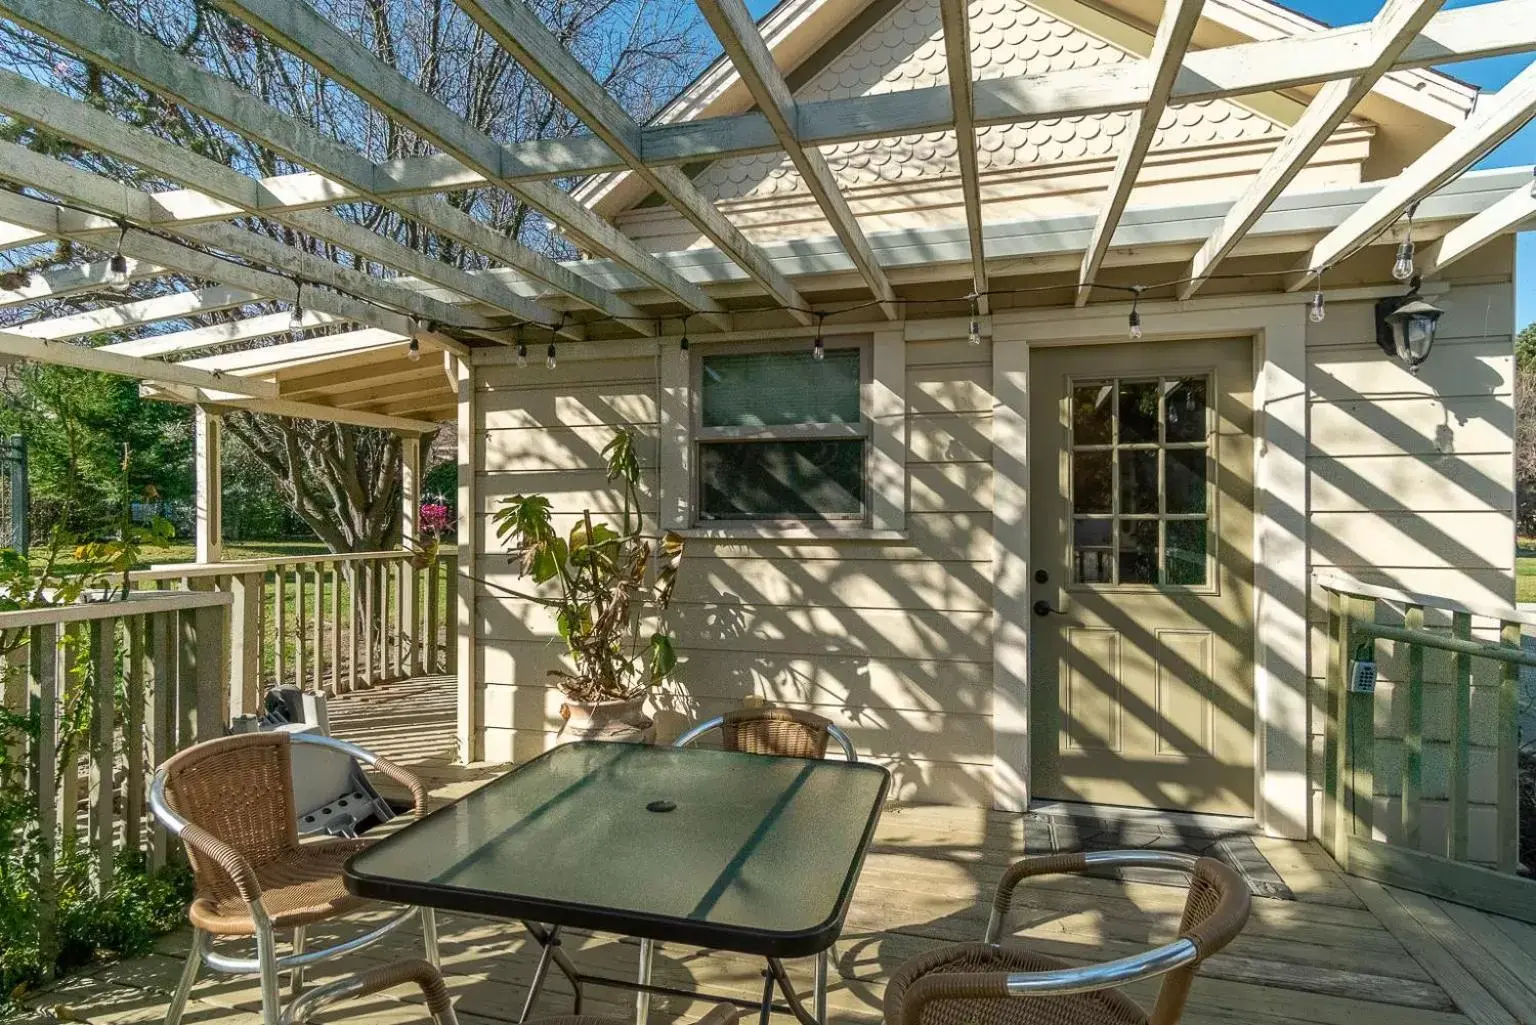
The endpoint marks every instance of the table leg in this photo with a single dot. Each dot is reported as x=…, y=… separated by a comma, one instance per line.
x=550, y=945
x=821, y=988
x=777, y=973
x=549, y=939
x=767, y=1010
x=643, y=997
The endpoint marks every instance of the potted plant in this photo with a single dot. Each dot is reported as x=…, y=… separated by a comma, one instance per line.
x=608, y=588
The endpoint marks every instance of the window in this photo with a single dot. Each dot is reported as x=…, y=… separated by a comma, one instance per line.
x=1141, y=452
x=779, y=435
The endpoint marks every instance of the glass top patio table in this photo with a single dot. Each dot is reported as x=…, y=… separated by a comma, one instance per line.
x=742, y=852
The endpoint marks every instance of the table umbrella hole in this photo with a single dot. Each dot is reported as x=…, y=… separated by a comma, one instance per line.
x=661, y=806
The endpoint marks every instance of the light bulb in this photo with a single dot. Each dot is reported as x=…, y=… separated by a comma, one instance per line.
x=974, y=335
x=117, y=272
x=818, y=351
x=296, y=318
x=1402, y=269
x=413, y=351
x=522, y=354
x=682, y=348
x=1135, y=323
x=549, y=358
x=1315, y=309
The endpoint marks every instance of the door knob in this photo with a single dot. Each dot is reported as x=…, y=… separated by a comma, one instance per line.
x=1043, y=608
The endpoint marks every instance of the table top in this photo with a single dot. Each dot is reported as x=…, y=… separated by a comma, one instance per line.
x=719, y=849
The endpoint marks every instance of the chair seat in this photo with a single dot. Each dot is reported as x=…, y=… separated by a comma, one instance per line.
x=1100, y=1007
x=299, y=887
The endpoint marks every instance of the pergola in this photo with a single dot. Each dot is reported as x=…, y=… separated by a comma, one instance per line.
x=363, y=367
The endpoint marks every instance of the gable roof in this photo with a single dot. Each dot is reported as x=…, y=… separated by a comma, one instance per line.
x=806, y=36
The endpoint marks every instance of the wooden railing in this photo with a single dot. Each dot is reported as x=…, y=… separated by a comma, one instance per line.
x=1378, y=807
x=329, y=622
x=110, y=689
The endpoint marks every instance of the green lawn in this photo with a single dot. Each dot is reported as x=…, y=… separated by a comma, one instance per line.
x=1525, y=569
x=187, y=552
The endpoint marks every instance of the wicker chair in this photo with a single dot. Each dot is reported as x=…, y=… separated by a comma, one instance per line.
x=773, y=731
x=231, y=802
x=992, y=983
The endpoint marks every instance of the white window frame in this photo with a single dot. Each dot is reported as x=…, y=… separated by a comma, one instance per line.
x=883, y=423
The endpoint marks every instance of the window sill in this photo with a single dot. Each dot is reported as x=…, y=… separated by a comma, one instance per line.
x=792, y=533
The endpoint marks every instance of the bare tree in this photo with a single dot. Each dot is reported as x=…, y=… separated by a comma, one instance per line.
x=344, y=481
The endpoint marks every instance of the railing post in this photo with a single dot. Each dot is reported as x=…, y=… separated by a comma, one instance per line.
x=1508, y=754
x=451, y=615
x=1355, y=780
x=245, y=644
x=1412, y=779
x=317, y=578
x=1461, y=741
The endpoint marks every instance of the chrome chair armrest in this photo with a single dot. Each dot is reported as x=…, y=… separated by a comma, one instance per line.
x=1057, y=864
x=843, y=741
x=698, y=730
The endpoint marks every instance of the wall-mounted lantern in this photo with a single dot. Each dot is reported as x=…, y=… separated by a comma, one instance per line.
x=1405, y=327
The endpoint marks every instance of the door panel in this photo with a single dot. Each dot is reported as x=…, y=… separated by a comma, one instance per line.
x=1142, y=663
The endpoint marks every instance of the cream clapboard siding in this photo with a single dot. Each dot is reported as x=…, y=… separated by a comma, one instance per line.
x=1411, y=486
x=890, y=640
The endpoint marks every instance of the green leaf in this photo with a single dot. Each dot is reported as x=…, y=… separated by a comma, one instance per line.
x=663, y=657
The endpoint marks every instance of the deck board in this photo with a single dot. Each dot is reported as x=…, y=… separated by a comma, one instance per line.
x=1345, y=952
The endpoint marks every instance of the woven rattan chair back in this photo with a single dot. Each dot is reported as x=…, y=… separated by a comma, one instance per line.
x=1214, y=913
x=239, y=789
x=775, y=731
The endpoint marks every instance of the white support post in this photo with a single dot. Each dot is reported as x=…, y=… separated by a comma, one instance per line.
x=210, y=485
x=471, y=460
x=410, y=540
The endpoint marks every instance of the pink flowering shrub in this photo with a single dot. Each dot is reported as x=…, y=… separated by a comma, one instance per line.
x=436, y=519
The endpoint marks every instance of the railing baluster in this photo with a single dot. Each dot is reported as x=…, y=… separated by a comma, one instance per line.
x=1508, y=754
x=279, y=622
x=133, y=733
x=162, y=715
x=429, y=645
x=245, y=643
x=317, y=676
x=334, y=572
x=299, y=615
x=1333, y=703
x=370, y=578
x=1413, y=733
x=399, y=656
x=352, y=606
x=43, y=693
x=451, y=614
x=69, y=750
x=1461, y=740
x=103, y=758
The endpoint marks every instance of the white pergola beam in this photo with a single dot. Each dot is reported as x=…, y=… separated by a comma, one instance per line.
x=1393, y=29
x=523, y=35
x=68, y=354
x=272, y=358
x=63, y=281
x=300, y=29
x=264, y=325
x=99, y=36
x=135, y=314
x=956, y=18
x=754, y=64
x=1168, y=48
x=217, y=398
x=1507, y=215
x=1495, y=120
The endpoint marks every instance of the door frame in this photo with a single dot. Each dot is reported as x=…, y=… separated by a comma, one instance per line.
x=1278, y=327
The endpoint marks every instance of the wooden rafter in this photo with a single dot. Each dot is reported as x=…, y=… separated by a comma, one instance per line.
x=68, y=354
x=135, y=314
x=524, y=36
x=1507, y=215
x=1495, y=120
x=248, y=329
x=1168, y=46
x=956, y=17
x=299, y=28
x=273, y=358
x=64, y=281
x=744, y=44
x=224, y=398
x=92, y=33
x=1394, y=27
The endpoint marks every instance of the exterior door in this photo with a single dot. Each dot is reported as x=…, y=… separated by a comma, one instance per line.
x=1141, y=535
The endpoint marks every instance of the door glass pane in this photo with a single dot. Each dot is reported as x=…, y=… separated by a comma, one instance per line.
x=1092, y=414
x=1138, y=481
x=1186, y=480
x=1092, y=482
x=772, y=389
x=1185, y=562
x=1093, y=552
x=1184, y=412
x=1138, y=551
x=781, y=479
x=1138, y=412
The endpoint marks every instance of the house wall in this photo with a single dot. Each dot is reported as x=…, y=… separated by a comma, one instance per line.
x=1409, y=481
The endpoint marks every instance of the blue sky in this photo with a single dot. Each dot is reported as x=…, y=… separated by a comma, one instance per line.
x=1489, y=74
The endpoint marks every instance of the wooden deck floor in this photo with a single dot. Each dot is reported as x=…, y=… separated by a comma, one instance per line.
x=1346, y=952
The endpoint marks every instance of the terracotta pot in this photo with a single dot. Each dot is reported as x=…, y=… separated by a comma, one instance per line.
x=624, y=722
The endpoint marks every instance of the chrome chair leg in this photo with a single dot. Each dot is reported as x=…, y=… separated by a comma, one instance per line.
x=296, y=975
x=266, y=956
x=767, y=1008
x=643, y=997
x=429, y=937
x=821, y=988
x=178, y=1005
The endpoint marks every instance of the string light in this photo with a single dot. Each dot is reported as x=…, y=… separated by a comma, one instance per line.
x=1402, y=267
x=819, y=348
x=1533, y=183
x=549, y=356
x=1134, y=320
x=973, y=336
x=1315, y=309
x=522, y=348
x=117, y=265
x=413, y=350
x=682, y=343
x=296, y=315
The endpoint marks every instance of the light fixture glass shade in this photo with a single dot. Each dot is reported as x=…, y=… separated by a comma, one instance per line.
x=1411, y=326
